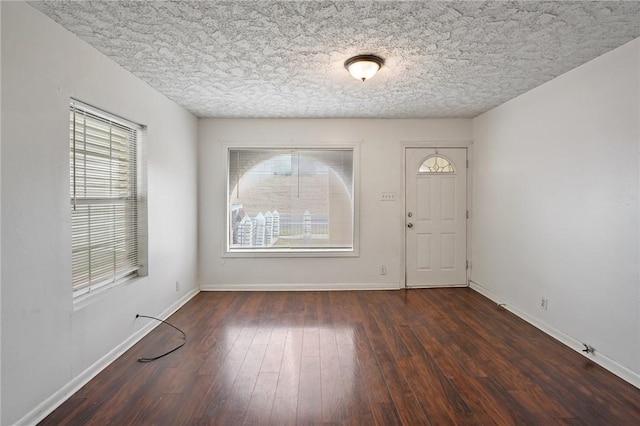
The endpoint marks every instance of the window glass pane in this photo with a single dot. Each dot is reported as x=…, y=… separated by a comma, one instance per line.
x=436, y=164
x=290, y=200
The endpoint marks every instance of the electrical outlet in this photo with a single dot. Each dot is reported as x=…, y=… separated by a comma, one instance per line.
x=388, y=196
x=544, y=303
x=383, y=270
x=177, y=285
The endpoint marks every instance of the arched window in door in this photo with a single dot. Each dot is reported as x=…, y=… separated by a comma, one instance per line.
x=436, y=164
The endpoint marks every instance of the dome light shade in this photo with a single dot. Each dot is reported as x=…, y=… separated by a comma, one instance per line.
x=363, y=67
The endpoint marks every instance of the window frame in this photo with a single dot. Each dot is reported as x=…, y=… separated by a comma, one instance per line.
x=227, y=252
x=87, y=290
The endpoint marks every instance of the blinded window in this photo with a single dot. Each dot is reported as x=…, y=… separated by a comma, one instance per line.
x=104, y=198
x=290, y=200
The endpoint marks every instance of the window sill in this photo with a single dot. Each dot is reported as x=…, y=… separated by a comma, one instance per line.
x=319, y=253
x=82, y=301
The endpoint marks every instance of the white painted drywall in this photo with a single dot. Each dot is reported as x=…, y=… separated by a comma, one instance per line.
x=45, y=343
x=0, y=223
x=555, y=206
x=381, y=222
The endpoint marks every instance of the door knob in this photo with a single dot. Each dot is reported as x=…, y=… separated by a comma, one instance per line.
x=409, y=225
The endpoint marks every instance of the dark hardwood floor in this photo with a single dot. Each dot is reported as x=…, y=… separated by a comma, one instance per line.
x=440, y=356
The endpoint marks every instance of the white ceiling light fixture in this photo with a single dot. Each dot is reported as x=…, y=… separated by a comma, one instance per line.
x=363, y=67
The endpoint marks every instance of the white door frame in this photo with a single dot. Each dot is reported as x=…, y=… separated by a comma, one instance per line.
x=468, y=145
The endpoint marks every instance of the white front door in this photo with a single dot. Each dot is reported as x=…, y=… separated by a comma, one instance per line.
x=436, y=217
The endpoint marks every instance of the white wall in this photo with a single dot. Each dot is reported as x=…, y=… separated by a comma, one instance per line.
x=46, y=344
x=0, y=222
x=381, y=223
x=555, y=207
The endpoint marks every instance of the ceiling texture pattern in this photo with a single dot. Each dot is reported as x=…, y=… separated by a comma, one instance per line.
x=286, y=59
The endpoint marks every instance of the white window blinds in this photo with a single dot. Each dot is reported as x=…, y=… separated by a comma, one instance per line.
x=104, y=202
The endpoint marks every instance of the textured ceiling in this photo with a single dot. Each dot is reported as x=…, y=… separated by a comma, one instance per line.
x=285, y=59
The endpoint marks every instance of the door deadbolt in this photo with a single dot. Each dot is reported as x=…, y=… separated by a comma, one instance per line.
x=409, y=214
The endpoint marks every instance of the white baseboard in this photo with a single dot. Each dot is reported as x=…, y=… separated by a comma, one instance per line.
x=438, y=286
x=597, y=357
x=300, y=287
x=54, y=401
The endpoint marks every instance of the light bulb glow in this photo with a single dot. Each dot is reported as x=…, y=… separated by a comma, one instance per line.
x=363, y=70
x=363, y=67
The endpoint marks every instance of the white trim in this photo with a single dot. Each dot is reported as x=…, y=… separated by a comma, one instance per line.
x=597, y=357
x=301, y=287
x=469, y=210
x=47, y=406
x=436, y=144
x=266, y=253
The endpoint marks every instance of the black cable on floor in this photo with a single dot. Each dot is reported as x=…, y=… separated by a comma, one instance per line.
x=143, y=359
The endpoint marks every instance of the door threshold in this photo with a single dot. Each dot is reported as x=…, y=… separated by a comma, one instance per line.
x=436, y=286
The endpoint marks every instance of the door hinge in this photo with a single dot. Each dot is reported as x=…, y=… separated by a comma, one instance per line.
x=467, y=214
x=467, y=163
x=467, y=264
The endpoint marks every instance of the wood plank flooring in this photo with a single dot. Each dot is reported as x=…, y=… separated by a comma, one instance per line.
x=414, y=357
